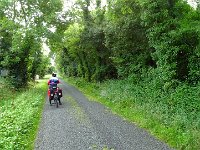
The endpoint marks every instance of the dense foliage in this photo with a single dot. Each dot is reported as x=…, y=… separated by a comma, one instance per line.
x=129, y=37
x=24, y=25
x=151, y=47
x=96, y=42
x=20, y=112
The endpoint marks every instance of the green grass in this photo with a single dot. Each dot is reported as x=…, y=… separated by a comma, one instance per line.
x=20, y=113
x=172, y=115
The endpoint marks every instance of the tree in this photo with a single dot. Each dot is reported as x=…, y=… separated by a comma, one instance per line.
x=126, y=37
x=84, y=44
x=172, y=42
x=23, y=23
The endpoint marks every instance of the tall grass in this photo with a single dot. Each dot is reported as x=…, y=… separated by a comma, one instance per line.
x=171, y=114
x=20, y=112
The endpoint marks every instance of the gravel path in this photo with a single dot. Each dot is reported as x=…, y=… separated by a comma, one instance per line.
x=80, y=124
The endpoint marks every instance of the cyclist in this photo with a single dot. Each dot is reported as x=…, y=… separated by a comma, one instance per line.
x=53, y=81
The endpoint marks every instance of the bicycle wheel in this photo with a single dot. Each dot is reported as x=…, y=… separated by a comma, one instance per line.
x=56, y=100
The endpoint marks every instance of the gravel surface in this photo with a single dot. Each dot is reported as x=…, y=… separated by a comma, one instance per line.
x=79, y=124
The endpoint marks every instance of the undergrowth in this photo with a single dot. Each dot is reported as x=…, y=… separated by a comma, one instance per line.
x=171, y=114
x=20, y=112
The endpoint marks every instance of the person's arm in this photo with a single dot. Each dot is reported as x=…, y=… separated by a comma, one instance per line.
x=48, y=82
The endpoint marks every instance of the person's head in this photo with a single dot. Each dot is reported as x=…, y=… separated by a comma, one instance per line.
x=53, y=74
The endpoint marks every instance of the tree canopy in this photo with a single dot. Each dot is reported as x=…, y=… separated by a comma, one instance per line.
x=132, y=38
x=23, y=25
x=121, y=39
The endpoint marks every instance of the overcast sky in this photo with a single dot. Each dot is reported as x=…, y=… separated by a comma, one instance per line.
x=193, y=3
x=69, y=3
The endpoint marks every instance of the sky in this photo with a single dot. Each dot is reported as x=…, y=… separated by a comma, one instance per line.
x=193, y=3
x=69, y=3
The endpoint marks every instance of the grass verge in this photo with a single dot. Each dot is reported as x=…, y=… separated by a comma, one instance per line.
x=20, y=113
x=173, y=115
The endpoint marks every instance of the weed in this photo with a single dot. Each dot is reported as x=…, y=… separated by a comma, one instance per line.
x=19, y=115
x=172, y=114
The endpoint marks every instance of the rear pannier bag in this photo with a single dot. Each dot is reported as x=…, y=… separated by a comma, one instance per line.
x=60, y=92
